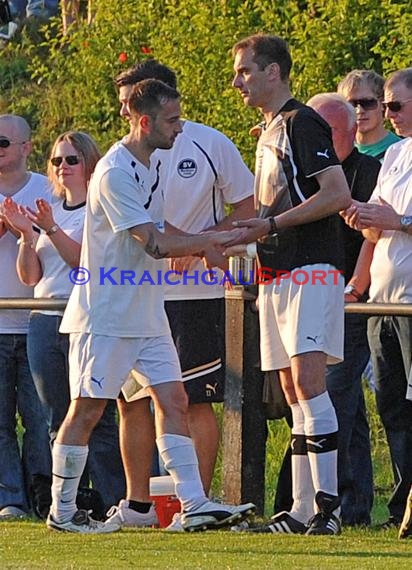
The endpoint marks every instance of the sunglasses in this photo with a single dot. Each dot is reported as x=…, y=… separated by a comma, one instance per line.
x=365, y=103
x=71, y=160
x=5, y=143
x=395, y=106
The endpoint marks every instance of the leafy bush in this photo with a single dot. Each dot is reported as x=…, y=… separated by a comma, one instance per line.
x=60, y=82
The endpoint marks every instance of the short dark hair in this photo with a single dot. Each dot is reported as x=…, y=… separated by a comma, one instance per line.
x=148, y=96
x=149, y=69
x=268, y=49
x=401, y=76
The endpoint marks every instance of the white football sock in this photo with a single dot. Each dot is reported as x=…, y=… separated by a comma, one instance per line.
x=302, y=486
x=180, y=460
x=69, y=462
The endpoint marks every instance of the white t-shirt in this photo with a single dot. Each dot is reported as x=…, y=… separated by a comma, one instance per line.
x=391, y=268
x=122, y=297
x=16, y=321
x=55, y=282
x=201, y=173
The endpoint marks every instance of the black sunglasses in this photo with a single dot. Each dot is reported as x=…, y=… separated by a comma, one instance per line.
x=394, y=106
x=368, y=104
x=71, y=159
x=5, y=143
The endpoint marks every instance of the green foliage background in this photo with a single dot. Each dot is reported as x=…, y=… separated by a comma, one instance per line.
x=60, y=82
x=66, y=82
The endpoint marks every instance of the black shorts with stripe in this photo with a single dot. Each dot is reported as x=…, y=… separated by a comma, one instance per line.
x=198, y=330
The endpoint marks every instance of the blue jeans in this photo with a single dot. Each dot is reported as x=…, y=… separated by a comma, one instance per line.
x=44, y=8
x=18, y=394
x=344, y=384
x=390, y=339
x=48, y=351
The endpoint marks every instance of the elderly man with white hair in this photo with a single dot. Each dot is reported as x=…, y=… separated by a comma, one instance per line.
x=344, y=380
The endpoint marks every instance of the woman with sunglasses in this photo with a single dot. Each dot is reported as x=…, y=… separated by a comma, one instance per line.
x=49, y=260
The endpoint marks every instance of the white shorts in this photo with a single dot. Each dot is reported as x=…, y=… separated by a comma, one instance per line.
x=298, y=318
x=100, y=365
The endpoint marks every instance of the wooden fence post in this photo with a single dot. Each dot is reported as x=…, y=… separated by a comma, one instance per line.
x=244, y=424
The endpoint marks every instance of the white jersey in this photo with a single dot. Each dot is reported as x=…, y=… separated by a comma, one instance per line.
x=16, y=321
x=55, y=282
x=201, y=173
x=122, y=298
x=391, y=268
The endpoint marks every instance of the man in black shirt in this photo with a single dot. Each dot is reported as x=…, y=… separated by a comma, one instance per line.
x=300, y=187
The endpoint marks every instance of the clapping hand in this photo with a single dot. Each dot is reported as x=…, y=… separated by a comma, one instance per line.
x=43, y=218
x=15, y=217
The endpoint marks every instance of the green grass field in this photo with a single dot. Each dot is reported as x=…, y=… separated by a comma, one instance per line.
x=29, y=545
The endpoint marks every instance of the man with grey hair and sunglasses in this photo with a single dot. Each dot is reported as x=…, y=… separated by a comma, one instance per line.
x=19, y=471
x=386, y=220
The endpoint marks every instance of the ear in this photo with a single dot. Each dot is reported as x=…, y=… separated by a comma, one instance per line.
x=273, y=70
x=28, y=146
x=145, y=123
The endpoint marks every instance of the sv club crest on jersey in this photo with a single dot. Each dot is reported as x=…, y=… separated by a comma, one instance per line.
x=187, y=168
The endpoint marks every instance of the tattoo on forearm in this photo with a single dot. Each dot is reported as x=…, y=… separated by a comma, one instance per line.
x=152, y=248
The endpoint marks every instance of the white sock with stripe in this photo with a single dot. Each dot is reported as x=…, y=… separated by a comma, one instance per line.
x=69, y=462
x=303, y=491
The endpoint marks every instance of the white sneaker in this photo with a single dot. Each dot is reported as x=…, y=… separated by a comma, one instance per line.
x=81, y=522
x=126, y=517
x=176, y=524
x=244, y=510
x=12, y=512
x=215, y=515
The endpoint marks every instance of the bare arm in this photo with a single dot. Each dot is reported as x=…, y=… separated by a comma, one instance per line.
x=27, y=264
x=241, y=211
x=361, y=275
x=160, y=245
x=68, y=249
x=332, y=196
x=371, y=235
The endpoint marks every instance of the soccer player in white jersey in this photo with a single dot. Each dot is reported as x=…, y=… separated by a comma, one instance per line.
x=202, y=173
x=117, y=321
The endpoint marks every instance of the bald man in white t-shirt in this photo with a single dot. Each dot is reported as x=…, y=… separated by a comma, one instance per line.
x=19, y=471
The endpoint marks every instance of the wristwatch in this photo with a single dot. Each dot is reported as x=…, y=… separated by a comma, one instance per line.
x=406, y=223
x=52, y=230
x=351, y=290
x=273, y=229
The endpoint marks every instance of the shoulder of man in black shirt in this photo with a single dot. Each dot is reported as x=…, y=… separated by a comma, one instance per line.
x=361, y=173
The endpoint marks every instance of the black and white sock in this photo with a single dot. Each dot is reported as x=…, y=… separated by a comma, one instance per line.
x=321, y=430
